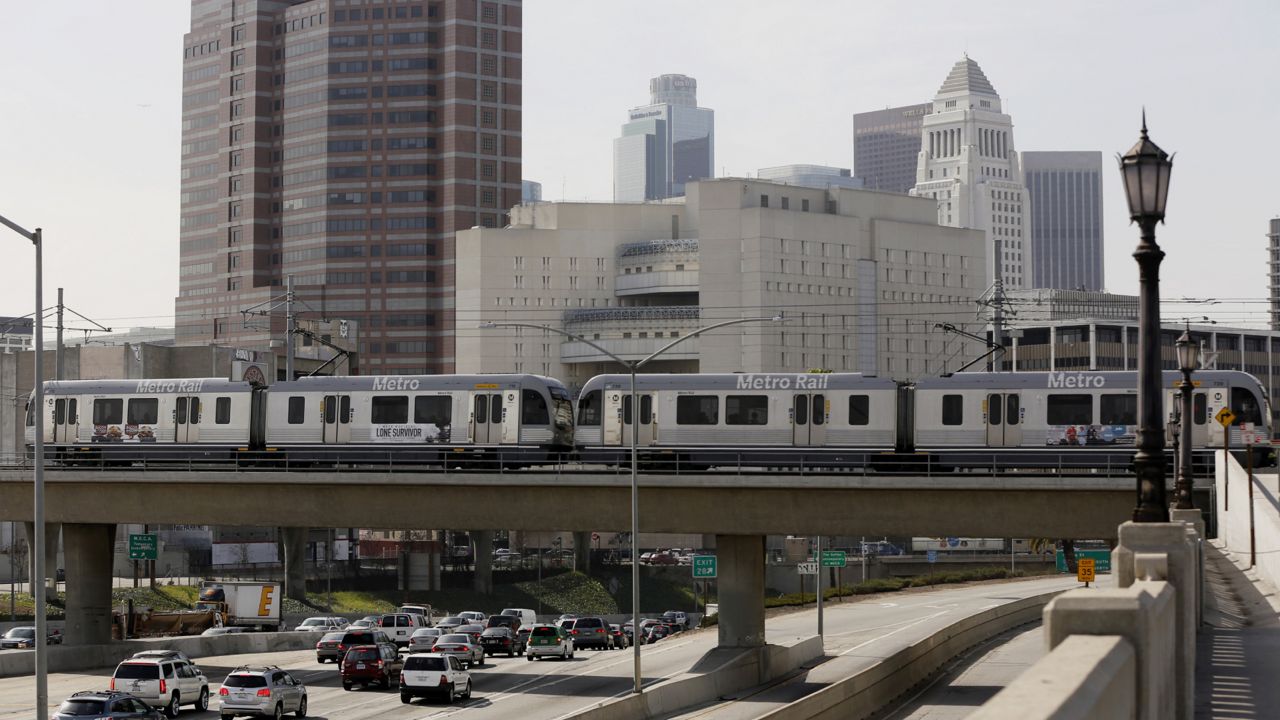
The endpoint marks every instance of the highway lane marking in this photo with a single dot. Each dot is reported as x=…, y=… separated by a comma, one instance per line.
x=894, y=632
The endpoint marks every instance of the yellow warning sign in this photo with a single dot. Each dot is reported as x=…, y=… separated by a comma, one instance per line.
x=1084, y=570
x=1225, y=417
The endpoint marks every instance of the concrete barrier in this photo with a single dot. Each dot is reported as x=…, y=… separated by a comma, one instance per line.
x=867, y=692
x=66, y=658
x=719, y=672
x=1094, y=674
x=1241, y=531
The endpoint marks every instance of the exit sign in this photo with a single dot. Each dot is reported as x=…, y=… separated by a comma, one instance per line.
x=142, y=547
x=704, y=566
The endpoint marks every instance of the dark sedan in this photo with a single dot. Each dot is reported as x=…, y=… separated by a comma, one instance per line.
x=496, y=640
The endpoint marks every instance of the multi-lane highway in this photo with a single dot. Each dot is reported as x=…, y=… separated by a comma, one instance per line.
x=858, y=634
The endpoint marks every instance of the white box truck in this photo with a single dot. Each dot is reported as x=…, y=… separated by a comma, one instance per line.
x=243, y=604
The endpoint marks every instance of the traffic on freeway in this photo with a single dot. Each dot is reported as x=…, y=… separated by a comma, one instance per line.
x=565, y=679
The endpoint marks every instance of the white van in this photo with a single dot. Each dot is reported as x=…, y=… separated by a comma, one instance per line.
x=423, y=610
x=399, y=627
x=527, y=617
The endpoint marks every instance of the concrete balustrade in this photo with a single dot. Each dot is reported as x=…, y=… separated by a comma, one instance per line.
x=1096, y=674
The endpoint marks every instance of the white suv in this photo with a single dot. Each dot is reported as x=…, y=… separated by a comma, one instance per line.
x=163, y=682
x=399, y=627
x=262, y=691
x=434, y=674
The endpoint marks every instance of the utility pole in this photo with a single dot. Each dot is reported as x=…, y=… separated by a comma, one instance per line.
x=997, y=319
x=288, y=329
x=59, y=352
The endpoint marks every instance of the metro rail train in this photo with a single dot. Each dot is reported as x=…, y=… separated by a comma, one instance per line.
x=967, y=420
x=527, y=419
x=694, y=421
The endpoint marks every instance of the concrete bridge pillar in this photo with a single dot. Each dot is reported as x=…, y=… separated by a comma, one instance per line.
x=90, y=550
x=582, y=551
x=295, y=558
x=741, y=590
x=482, y=581
x=51, y=531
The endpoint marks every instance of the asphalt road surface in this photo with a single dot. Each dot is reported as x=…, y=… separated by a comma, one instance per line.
x=857, y=633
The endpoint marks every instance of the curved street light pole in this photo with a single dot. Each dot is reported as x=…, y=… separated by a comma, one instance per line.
x=37, y=543
x=632, y=367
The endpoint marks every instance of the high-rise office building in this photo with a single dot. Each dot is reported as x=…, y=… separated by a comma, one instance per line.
x=886, y=146
x=1065, y=222
x=967, y=163
x=530, y=191
x=812, y=176
x=343, y=144
x=1273, y=263
x=665, y=144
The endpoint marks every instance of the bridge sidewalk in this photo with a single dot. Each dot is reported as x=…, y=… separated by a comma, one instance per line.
x=1238, y=653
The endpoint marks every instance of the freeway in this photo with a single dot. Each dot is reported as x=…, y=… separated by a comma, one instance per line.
x=858, y=633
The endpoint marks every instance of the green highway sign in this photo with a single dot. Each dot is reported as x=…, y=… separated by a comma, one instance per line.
x=834, y=558
x=142, y=547
x=704, y=566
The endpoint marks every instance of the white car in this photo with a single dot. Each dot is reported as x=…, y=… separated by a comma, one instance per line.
x=163, y=682
x=474, y=616
x=427, y=674
x=399, y=627
x=322, y=624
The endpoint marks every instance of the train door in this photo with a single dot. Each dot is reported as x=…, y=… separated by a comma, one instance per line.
x=1004, y=420
x=65, y=420
x=809, y=419
x=186, y=419
x=486, y=418
x=337, y=419
x=645, y=432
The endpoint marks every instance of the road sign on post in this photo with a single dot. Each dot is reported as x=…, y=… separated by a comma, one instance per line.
x=1084, y=571
x=834, y=558
x=704, y=566
x=932, y=556
x=807, y=568
x=142, y=547
x=1225, y=417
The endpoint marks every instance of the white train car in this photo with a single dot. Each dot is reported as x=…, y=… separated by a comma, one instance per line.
x=745, y=419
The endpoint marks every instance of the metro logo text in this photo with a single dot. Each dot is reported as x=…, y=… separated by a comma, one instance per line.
x=1078, y=380
x=168, y=386
x=394, y=383
x=782, y=382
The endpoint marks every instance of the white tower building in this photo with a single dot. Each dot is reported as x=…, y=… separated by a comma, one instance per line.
x=969, y=165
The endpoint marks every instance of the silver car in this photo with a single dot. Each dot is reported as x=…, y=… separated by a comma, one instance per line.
x=322, y=624
x=423, y=639
x=261, y=691
x=461, y=646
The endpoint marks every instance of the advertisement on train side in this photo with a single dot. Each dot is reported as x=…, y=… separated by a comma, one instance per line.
x=1091, y=435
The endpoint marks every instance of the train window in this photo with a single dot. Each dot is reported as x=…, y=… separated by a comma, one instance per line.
x=1245, y=406
x=222, y=411
x=482, y=409
x=195, y=411
x=72, y=415
x=107, y=412
x=533, y=408
x=1200, y=409
x=589, y=408
x=1012, y=413
x=859, y=409
x=297, y=410
x=31, y=416
x=329, y=406
x=59, y=412
x=952, y=409
x=646, y=409
x=819, y=409
x=800, y=410
x=1070, y=409
x=1118, y=410
x=344, y=412
x=433, y=410
x=995, y=410
x=389, y=409
x=144, y=411
x=746, y=410
x=698, y=410
x=180, y=412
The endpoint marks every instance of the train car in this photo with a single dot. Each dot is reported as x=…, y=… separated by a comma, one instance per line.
x=836, y=419
x=127, y=420
x=512, y=419
x=1070, y=418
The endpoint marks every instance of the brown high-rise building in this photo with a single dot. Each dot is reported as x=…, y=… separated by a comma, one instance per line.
x=343, y=142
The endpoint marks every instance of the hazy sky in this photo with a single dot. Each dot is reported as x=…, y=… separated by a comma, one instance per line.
x=89, y=133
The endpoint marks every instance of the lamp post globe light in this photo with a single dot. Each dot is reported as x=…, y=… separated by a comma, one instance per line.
x=1145, y=170
x=1188, y=360
x=633, y=366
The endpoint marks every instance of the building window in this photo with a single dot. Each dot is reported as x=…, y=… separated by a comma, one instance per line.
x=764, y=201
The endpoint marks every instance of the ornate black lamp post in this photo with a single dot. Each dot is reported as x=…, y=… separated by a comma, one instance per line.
x=1188, y=359
x=1146, y=169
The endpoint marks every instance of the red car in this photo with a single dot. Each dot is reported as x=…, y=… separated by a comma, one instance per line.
x=369, y=664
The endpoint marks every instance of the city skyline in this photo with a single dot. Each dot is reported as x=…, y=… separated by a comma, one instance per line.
x=98, y=168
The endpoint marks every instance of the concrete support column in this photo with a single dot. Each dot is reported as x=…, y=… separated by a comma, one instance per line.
x=582, y=551
x=740, y=583
x=51, y=531
x=1173, y=541
x=295, y=561
x=90, y=550
x=482, y=540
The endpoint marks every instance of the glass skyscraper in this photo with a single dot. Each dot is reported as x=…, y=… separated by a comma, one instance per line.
x=664, y=144
x=1065, y=190
x=886, y=146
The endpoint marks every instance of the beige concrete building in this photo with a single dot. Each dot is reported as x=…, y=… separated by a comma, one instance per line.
x=863, y=278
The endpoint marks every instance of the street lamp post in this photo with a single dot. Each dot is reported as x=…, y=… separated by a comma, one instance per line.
x=37, y=543
x=1145, y=170
x=1188, y=359
x=632, y=367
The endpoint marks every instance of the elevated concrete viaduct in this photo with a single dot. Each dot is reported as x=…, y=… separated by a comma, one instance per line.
x=740, y=509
